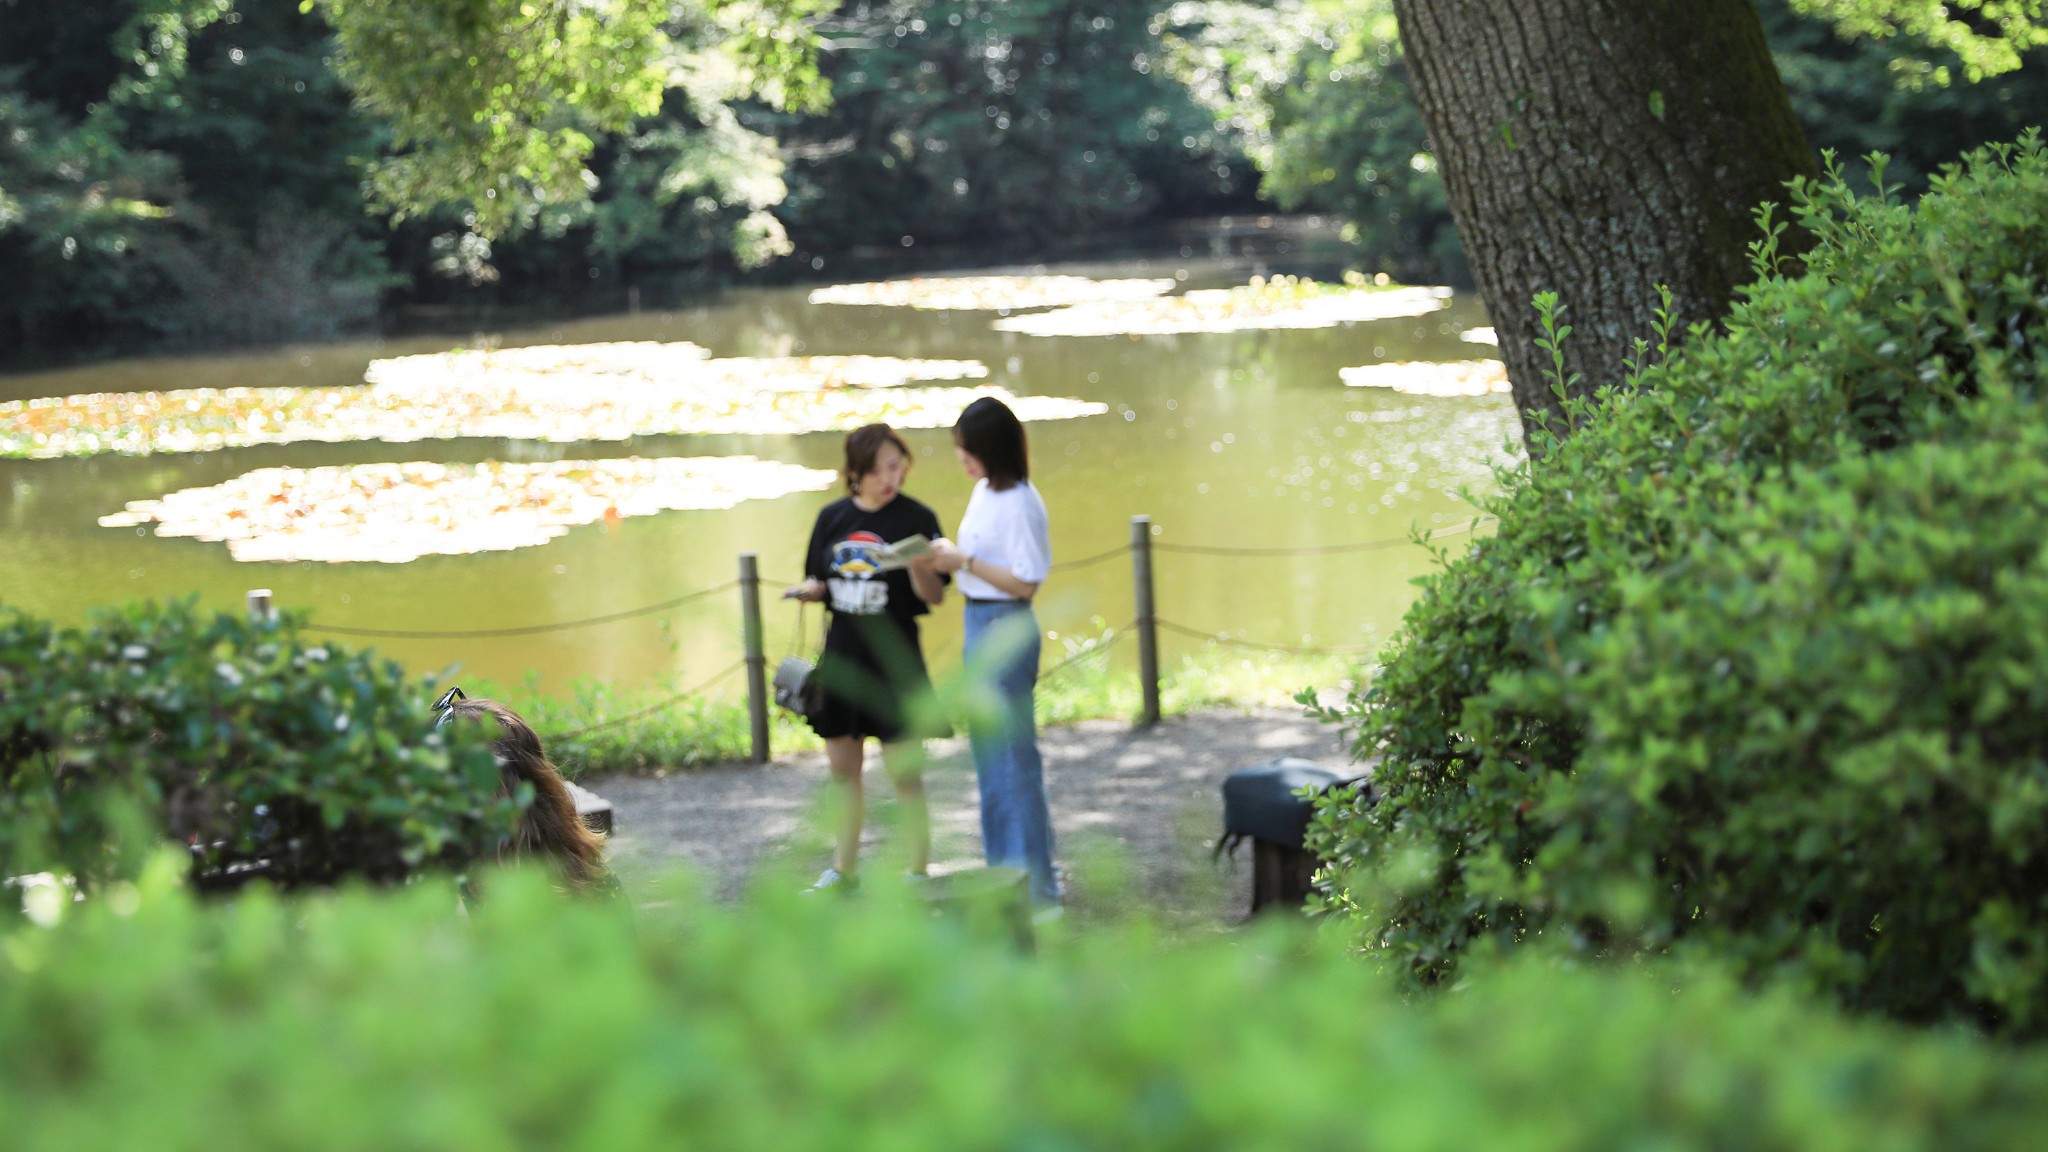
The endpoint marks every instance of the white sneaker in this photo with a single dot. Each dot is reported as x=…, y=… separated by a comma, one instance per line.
x=832, y=880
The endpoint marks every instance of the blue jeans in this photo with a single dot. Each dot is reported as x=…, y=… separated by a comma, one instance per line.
x=1016, y=827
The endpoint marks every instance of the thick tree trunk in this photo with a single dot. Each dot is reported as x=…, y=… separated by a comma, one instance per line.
x=1598, y=149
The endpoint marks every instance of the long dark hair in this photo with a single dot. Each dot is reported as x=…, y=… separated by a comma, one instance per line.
x=988, y=431
x=549, y=828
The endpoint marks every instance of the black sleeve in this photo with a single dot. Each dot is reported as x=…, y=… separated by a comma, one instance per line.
x=814, y=553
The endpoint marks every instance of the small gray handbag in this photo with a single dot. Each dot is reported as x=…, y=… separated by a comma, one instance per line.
x=796, y=684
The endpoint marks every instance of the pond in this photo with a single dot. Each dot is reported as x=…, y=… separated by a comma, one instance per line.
x=1245, y=447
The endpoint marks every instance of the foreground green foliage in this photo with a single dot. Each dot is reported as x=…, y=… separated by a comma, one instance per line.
x=146, y=1019
x=263, y=753
x=1755, y=664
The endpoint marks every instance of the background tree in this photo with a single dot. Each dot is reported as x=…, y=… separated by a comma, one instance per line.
x=194, y=171
x=1897, y=95
x=1600, y=152
x=1317, y=94
x=1987, y=37
x=1016, y=123
x=493, y=103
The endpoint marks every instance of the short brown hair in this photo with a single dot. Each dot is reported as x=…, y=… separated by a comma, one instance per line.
x=863, y=444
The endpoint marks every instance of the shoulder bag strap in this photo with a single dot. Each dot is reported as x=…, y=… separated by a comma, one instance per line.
x=797, y=640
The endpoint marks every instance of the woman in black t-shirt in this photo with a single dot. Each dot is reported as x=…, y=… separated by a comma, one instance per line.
x=873, y=670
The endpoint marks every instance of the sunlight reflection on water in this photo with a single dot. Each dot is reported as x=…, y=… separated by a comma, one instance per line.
x=1244, y=439
x=565, y=394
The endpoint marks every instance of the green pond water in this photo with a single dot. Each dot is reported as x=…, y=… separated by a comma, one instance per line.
x=1244, y=440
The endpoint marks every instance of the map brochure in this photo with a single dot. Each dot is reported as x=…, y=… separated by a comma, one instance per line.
x=902, y=552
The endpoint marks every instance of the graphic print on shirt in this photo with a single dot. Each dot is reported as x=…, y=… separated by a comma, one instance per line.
x=856, y=584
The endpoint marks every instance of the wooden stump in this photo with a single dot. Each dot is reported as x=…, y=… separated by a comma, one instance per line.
x=595, y=811
x=994, y=900
x=1282, y=877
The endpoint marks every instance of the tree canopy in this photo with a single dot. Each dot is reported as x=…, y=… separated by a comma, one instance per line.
x=222, y=171
x=1989, y=37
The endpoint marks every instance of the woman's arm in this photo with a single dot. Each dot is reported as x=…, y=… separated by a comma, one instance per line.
x=998, y=576
x=947, y=557
x=924, y=580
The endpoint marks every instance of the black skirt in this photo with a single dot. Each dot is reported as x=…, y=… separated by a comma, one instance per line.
x=875, y=682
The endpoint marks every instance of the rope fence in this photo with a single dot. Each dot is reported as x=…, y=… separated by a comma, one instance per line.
x=1296, y=649
x=651, y=709
x=1116, y=637
x=1320, y=549
x=1145, y=625
x=1091, y=561
x=530, y=629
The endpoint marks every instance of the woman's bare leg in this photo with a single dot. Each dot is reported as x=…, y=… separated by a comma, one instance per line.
x=843, y=754
x=905, y=764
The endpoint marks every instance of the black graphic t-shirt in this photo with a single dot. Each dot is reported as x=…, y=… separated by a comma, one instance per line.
x=846, y=553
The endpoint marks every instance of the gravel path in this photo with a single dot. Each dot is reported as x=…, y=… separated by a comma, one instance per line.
x=1135, y=812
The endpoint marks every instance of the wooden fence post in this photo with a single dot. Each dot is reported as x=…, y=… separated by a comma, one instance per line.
x=1148, y=631
x=757, y=656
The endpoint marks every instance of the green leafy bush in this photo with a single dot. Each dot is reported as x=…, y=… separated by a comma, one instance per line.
x=265, y=754
x=1755, y=662
x=369, y=1020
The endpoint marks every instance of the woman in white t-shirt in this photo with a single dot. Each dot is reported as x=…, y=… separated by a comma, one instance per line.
x=1003, y=555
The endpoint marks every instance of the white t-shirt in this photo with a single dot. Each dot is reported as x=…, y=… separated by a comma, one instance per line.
x=1007, y=529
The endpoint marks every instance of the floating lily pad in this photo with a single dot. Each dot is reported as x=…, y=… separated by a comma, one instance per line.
x=1282, y=302
x=640, y=365
x=562, y=393
x=395, y=513
x=1427, y=378
x=990, y=293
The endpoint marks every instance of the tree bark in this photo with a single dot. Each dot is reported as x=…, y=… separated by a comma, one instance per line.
x=1599, y=149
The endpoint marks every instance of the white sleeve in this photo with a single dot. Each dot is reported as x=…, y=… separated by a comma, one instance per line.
x=1027, y=538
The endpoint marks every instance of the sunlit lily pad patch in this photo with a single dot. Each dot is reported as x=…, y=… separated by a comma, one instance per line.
x=1428, y=378
x=1282, y=302
x=565, y=394
x=990, y=293
x=394, y=513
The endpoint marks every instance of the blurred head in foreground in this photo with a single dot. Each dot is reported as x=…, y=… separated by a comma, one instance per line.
x=549, y=828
